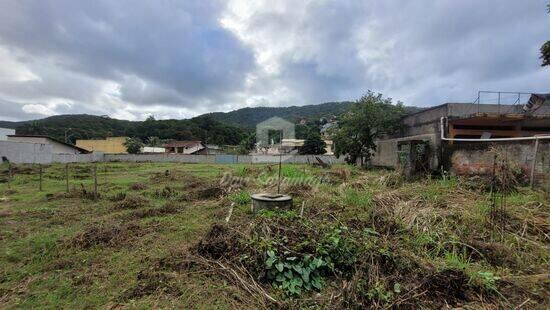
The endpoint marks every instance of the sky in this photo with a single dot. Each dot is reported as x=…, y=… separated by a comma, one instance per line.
x=130, y=59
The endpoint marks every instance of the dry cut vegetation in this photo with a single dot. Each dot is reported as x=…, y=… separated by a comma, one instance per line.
x=354, y=239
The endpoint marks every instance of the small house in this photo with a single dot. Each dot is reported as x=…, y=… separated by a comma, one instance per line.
x=5, y=132
x=57, y=146
x=185, y=147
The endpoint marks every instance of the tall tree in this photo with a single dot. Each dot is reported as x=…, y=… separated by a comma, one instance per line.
x=370, y=117
x=155, y=141
x=545, y=48
x=313, y=145
x=133, y=145
x=247, y=144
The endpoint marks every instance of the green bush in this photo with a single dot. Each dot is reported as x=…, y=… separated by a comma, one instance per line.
x=293, y=274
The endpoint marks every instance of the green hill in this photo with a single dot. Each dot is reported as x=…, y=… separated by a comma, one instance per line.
x=215, y=128
x=249, y=117
x=82, y=126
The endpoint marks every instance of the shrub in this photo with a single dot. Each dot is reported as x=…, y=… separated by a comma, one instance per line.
x=293, y=274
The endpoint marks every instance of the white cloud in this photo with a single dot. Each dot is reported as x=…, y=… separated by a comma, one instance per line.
x=173, y=59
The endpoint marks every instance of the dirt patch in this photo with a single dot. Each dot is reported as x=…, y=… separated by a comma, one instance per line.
x=75, y=192
x=165, y=192
x=219, y=242
x=494, y=253
x=107, y=235
x=167, y=209
x=299, y=190
x=118, y=196
x=449, y=285
x=10, y=192
x=204, y=192
x=132, y=202
x=166, y=176
x=138, y=186
x=20, y=169
x=150, y=282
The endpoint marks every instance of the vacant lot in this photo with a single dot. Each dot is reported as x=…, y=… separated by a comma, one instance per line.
x=157, y=237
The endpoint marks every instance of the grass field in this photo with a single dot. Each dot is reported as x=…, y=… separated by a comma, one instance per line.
x=156, y=237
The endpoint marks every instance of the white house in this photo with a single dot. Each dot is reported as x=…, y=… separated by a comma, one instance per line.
x=58, y=147
x=5, y=132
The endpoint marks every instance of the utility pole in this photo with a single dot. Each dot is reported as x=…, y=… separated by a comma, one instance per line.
x=533, y=164
x=280, y=162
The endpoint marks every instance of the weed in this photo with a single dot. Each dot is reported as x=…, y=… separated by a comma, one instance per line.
x=378, y=292
x=132, y=202
x=165, y=192
x=138, y=186
x=355, y=198
x=240, y=198
x=118, y=197
x=292, y=274
x=456, y=260
x=485, y=279
x=106, y=234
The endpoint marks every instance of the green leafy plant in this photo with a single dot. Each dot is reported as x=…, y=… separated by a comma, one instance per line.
x=487, y=279
x=457, y=260
x=294, y=275
x=380, y=293
x=240, y=198
x=356, y=198
x=338, y=248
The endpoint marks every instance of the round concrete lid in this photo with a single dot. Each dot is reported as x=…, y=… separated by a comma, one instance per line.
x=271, y=197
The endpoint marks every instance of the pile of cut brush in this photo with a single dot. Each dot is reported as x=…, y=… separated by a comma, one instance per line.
x=284, y=260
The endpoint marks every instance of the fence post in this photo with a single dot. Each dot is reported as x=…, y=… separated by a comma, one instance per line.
x=40, y=177
x=533, y=164
x=95, y=180
x=67, y=177
x=9, y=175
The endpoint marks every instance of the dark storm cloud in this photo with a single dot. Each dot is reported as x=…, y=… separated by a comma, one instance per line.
x=422, y=52
x=131, y=59
x=173, y=44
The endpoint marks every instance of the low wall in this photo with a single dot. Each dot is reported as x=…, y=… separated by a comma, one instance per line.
x=34, y=153
x=386, y=151
x=222, y=159
x=477, y=158
x=23, y=152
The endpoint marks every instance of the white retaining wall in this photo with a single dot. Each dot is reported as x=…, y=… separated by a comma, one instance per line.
x=22, y=152
x=34, y=153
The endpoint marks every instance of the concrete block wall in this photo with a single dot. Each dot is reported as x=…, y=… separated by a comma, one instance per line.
x=386, y=150
x=21, y=152
x=469, y=159
x=31, y=153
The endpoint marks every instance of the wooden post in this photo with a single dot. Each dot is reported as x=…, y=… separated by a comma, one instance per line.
x=95, y=180
x=40, y=177
x=9, y=175
x=533, y=164
x=67, y=177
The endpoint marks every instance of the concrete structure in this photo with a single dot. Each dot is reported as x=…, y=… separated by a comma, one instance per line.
x=271, y=130
x=270, y=202
x=422, y=131
x=5, y=132
x=152, y=150
x=110, y=145
x=212, y=149
x=32, y=153
x=289, y=145
x=23, y=152
x=57, y=146
x=185, y=147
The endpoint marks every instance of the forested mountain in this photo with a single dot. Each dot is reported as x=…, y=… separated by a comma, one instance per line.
x=215, y=128
x=90, y=126
x=249, y=117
